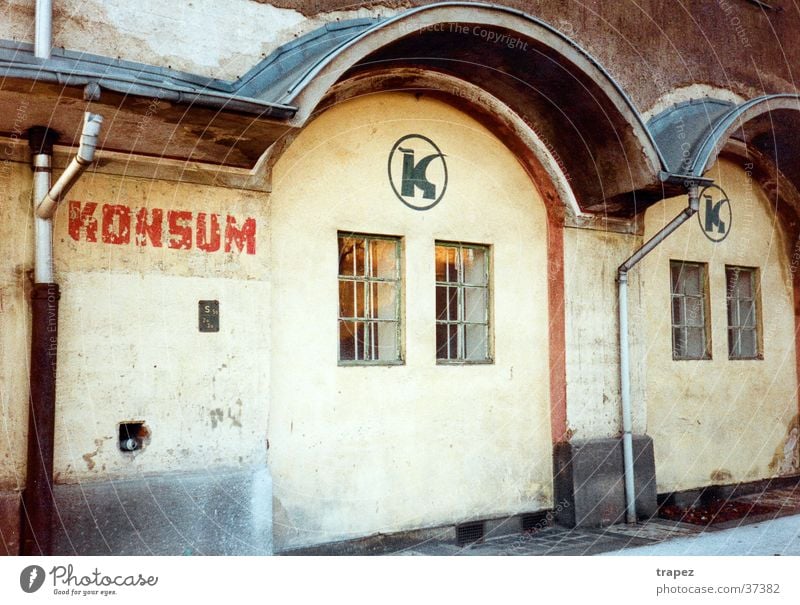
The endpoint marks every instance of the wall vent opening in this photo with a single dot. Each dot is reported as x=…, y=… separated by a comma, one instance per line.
x=469, y=533
x=533, y=522
x=133, y=436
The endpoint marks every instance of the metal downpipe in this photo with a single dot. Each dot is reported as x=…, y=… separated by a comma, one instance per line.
x=43, y=35
x=624, y=345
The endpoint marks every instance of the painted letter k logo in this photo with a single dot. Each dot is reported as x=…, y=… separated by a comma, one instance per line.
x=712, y=215
x=414, y=175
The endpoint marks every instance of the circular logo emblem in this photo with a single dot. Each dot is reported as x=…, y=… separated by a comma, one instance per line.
x=31, y=578
x=417, y=172
x=715, y=215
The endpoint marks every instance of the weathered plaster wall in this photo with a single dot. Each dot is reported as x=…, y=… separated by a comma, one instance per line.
x=130, y=348
x=650, y=47
x=720, y=421
x=360, y=450
x=591, y=259
x=16, y=232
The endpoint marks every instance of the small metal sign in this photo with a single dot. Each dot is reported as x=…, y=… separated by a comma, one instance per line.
x=209, y=315
x=417, y=172
x=715, y=215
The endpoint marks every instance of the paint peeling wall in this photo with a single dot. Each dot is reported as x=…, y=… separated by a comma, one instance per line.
x=217, y=39
x=721, y=421
x=360, y=450
x=130, y=348
x=591, y=259
x=16, y=232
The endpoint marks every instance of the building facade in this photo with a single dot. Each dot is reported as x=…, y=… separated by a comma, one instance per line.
x=353, y=272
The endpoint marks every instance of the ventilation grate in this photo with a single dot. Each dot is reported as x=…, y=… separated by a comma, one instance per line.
x=535, y=521
x=469, y=533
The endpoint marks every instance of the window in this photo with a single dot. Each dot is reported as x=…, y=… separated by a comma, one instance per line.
x=369, y=299
x=690, y=336
x=462, y=303
x=741, y=285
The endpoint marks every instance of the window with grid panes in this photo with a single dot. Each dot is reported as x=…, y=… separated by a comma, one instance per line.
x=369, y=299
x=462, y=303
x=741, y=288
x=690, y=337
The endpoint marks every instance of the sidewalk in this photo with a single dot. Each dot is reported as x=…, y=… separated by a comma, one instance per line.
x=776, y=533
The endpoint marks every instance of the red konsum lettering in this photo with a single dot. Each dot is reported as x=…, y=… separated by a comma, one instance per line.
x=176, y=229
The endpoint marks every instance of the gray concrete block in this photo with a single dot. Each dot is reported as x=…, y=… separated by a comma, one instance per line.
x=218, y=512
x=589, y=480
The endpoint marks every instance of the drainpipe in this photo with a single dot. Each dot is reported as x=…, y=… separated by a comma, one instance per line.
x=43, y=40
x=624, y=353
x=37, y=499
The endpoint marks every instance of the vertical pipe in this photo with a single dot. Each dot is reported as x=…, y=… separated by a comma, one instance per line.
x=37, y=499
x=625, y=390
x=43, y=40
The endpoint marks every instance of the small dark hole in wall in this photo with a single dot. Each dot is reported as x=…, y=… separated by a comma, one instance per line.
x=535, y=521
x=133, y=436
x=469, y=533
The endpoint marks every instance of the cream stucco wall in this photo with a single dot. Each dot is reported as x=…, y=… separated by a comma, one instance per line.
x=359, y=450
x=129, y=346
x=721, y=421
x=16, y=232
x=591, y=259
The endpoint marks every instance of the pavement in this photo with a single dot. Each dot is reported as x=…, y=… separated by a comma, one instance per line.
x=774, y=533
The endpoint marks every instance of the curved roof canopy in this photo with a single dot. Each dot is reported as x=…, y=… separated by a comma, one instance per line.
x=614, y=162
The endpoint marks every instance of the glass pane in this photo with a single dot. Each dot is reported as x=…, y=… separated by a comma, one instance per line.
x=747, y=313
x=678, y=315
x=695, y=343
x=733, y=313
x=384, y=300
x=748, y=343
x=475, y=304
x=351, y=256
x=446, y=303
x=678, y=342
x=445, y=347
x=360, y=295
x=740, y=282
x=694, y=311
x=734, y=345
x=446, y=270
x=475, y=344
x=346, y=298
x=675, y=272
x=385, y=341
x=384, y=258
x=474, y=265
x=347, y=342
x=691, y=277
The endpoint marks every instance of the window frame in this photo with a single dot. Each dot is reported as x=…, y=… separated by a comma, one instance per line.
x=461, y=285
x=705, y=306
x=399, y=282
x=755, y=288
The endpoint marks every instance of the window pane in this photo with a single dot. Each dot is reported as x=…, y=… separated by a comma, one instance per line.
x=347, y=342
x=678, y=342
x=747, y=338
x=692, y=280
x=385, y=341
x=694, y=311
x=360, y=293
x=747, y=313
x=734, y=345
x=474, y=265
x=384, y=300
x=384, y=258
x=446, y=341
x=695, y=343
x=475, y=344
x=678, y=316
x=446, y=303
x=475, y=304
x=351, y=256
x=446, y=270
x=733, y=313
x=346, y=299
